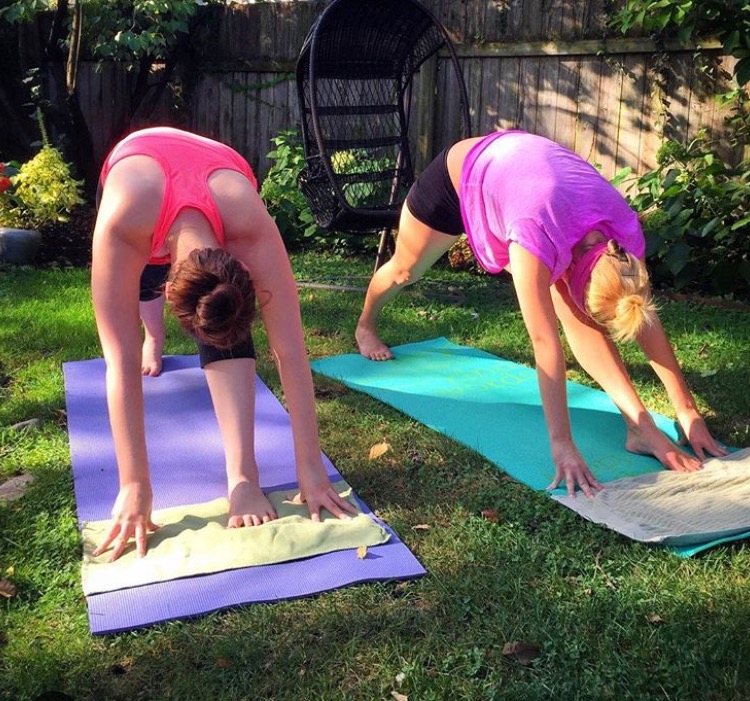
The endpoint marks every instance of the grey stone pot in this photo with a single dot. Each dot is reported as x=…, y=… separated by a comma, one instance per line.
x=19, y=246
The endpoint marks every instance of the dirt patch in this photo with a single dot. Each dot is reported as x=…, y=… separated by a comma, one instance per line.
x=68, y=244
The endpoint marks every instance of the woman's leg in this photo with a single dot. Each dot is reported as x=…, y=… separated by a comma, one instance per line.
x=418, y=247
x=151, y=310
x=152, y=318
x=232, y=387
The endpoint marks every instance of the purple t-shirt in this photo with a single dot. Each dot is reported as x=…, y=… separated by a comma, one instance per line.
x=522, y=188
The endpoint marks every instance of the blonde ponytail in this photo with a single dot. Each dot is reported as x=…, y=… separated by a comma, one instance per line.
x=619, y=294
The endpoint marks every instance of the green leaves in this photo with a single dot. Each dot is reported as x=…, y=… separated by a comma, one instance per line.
x=281, y=195
x=688, y=20
x=45, y=192
x=130, y=31
x=23, y=10
x=696, y=214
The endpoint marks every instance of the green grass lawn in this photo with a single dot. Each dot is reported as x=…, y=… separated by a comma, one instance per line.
x=612, y=619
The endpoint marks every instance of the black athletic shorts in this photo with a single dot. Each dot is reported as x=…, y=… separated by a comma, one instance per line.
x=153, y=278
x=433, y=200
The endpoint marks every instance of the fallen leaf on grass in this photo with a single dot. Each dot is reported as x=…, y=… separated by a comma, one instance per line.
x=7, y=588
x=399, y=697
x=709, y=373
x=421, y=527
x=15, y=487
x=223, y=663
x=362, y=552
x=490, y=515
x=379, y=449
x=521, y=652
x=654, y=618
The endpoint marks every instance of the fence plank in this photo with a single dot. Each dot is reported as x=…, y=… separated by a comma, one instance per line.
x=566, y=107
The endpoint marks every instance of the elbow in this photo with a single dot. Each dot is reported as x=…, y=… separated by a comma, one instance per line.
x=548, y=354
x=288, y=355
x=544, y=343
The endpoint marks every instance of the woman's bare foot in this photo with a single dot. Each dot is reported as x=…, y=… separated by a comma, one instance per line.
x=370, y=346
x=662, y=448
x=248, y=506
x=151, y=356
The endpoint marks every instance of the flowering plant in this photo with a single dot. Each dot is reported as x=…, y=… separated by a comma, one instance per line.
x=38, y=192
x=8, y=199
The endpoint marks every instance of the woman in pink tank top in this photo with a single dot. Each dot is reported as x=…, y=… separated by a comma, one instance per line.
x=179, y=204
x=575, y=251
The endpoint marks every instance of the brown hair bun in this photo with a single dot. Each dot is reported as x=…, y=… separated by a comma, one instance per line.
x=213, y=298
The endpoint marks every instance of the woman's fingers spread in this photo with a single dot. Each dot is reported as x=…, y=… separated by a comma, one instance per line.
x=344, y=505
x=111, y=535
x=120, y=543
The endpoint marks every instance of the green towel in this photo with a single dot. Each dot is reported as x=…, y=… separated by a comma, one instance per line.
x=193, y=540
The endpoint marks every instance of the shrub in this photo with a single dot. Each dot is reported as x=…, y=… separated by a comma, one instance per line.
x=696, y=214
x=38, y=192
x=461, y=257
x=281, y=195
x=290, y=209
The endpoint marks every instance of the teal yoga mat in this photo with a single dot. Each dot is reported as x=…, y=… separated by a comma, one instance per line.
x=493, y=406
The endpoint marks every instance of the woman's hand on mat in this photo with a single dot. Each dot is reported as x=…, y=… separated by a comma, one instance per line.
x=696, y=434
x=132, y=518
x=317, y=492
x=571, y=467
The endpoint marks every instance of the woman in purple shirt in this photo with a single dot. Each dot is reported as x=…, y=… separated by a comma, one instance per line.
x=575, y=251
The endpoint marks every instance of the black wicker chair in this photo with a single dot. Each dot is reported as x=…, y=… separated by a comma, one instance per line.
x=354, y=81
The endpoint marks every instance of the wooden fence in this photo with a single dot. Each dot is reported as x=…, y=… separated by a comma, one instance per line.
x=548, y=66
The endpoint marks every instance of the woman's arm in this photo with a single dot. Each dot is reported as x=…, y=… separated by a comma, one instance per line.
x=598, y=356
x=266, y=259
x=116, y=268
x=655, y=344
x=531, y=279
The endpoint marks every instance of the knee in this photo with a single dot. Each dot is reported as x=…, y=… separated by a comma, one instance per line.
x=403, y=276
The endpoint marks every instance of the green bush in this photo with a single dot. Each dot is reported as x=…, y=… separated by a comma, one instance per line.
x=290, y=209
x=42, y=191
x=696, y=214
x=281, y=195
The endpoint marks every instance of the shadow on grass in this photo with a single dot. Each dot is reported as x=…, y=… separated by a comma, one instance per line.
x=488, y=584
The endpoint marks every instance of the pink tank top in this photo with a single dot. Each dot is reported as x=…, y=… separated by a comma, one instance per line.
x=522, y=188
x=187, y=160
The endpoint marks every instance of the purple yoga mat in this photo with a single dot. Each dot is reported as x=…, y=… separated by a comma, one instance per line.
x=187, y=466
